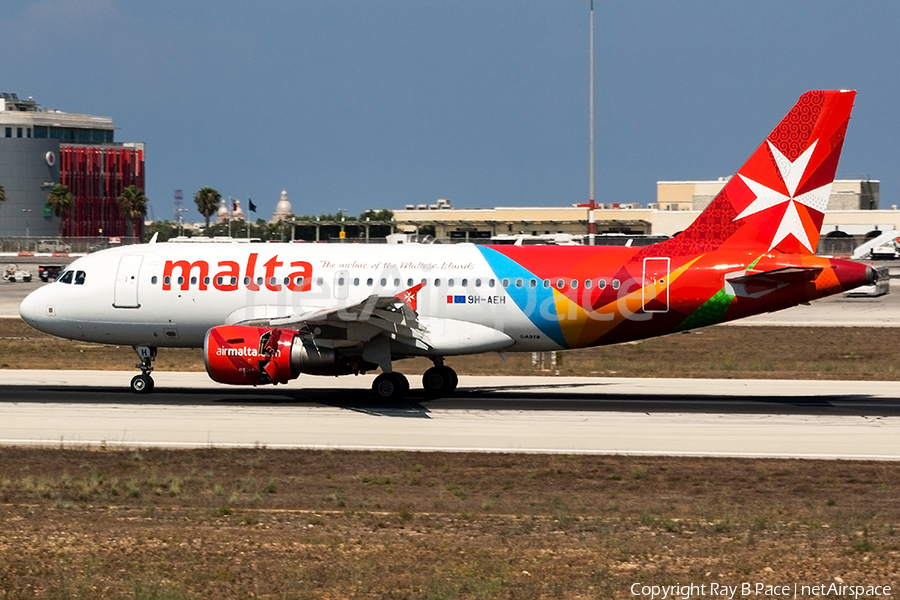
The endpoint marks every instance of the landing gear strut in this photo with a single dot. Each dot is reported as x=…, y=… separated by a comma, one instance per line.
x=143, y=383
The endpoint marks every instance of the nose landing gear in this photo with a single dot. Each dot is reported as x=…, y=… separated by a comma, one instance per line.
x=143, y=383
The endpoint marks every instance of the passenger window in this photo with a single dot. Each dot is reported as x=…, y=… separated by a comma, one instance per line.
x=588, y=284
x=167, y=280
x=193, y=281
x=615, y=284
x=465, y=282
x=477, y=283
x=356, y=281
x=560, y=284
x=505, y=283
x=546, y=283
x=259, y=281
x=206, y=280
x=574, y=283
x=67, y=277
x=450, y=283
x=287, y=281
x=369, y=282
x=396, y=282
x=218, y=281
x=518, y=283
x=491, y=283
x=601, y=284
x=340, y=281
x=153, y=280
x=273, y=280
x=533, y=283
x=383, y=282
x=409, y=282
x=437, y=282
x=246, y=281
x=180, y=280
x=79, y=277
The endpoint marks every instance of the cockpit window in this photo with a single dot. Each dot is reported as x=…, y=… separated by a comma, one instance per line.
x=66, y=277
x=79, y=277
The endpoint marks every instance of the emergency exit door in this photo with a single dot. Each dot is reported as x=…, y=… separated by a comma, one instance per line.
x=655, y=292
x=126, y=292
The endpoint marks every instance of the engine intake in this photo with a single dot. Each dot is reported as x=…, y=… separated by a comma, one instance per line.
x=242, y=355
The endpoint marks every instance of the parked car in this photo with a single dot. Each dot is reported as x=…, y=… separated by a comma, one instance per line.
x=49, y=272
x=54, y=246
x=13, y=274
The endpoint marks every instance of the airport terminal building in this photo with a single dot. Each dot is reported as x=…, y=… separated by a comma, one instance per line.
x=852, y=217
x=40, y=148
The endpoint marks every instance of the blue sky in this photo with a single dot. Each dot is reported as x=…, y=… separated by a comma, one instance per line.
x=355, y=105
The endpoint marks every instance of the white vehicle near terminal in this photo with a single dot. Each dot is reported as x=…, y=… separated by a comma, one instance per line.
x=13, y=273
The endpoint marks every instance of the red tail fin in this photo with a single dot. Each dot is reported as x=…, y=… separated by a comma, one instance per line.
x=778, y=198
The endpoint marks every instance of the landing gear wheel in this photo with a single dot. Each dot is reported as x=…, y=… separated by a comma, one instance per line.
x=439, y=381
x=454, y=380
x=390, y=386
x=142, y=384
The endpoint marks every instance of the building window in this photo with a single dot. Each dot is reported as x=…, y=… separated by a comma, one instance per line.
x=9, y=132
x=18, y=132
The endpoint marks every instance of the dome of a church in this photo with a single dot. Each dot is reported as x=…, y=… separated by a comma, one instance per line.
x=222, y=215
x=238, y=213
x=283, y=210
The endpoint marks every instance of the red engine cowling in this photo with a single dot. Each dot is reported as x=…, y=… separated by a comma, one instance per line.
x=242, y=355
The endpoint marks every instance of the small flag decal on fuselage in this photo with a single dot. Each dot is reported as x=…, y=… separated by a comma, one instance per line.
x=456, y=299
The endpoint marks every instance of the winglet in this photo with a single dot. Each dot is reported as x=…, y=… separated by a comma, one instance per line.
x=411, y=296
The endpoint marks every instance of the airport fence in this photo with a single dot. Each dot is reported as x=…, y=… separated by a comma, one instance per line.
x=61, y=245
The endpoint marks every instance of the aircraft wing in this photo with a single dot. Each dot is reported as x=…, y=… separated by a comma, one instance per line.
x=353, y=324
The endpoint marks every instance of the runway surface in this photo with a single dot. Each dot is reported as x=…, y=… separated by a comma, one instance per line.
x=804, y=419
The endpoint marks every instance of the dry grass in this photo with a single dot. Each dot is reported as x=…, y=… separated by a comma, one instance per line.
x=159, y=524
x=312, y=524
x=729, y=352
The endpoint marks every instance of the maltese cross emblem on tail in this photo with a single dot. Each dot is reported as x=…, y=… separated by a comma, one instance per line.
x=792, y=223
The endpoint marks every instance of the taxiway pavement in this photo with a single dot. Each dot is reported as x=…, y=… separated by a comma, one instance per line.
x=687, y=417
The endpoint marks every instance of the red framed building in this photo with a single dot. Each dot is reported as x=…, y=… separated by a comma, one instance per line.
x=96, y=176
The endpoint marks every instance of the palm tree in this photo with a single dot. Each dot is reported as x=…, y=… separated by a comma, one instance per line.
x=133, y=205
x=207, y=200
x=60, y=200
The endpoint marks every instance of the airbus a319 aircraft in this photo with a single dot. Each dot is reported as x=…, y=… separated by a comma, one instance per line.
x=267, y=313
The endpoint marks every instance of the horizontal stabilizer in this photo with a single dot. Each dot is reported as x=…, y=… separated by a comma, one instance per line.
x=755, y=284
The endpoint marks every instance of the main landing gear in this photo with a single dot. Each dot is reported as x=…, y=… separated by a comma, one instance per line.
x=143, y=383
x=437, y=382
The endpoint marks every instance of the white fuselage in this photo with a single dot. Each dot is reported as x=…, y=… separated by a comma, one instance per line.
x=171, y=294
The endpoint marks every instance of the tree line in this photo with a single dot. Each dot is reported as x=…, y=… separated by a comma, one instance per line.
x=133, y=206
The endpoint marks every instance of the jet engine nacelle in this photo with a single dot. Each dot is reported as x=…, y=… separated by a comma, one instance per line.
x=242, y=355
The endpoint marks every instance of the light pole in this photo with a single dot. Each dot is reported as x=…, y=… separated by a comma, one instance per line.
x=591, y=126
x=27, y=232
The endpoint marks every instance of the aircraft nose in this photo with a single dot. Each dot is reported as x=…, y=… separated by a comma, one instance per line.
x=37, y=308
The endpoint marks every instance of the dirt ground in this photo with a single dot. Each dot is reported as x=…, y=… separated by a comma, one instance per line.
x=721, y=352
x=222, y=523
x=226, y=523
